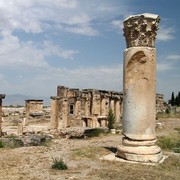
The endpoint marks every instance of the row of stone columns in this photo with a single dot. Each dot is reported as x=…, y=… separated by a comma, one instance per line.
x=60, y=108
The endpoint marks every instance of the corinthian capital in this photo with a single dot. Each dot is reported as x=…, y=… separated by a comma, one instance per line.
x=140, y=30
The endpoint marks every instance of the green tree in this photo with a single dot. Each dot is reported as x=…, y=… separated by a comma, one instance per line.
x=172, y=99
x=111, y=119
x=176, y=101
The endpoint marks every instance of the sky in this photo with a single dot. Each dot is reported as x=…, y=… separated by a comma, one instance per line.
x=80, y=44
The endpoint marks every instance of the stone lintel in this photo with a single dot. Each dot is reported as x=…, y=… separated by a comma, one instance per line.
x=36, y=100
x=55, y=97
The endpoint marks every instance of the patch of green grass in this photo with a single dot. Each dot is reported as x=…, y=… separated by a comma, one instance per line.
x=96, y=132
x=177, y=129
x=1, y=144
x=11, y=143
x=165, y=143
x=14, y=143
x=111, y=119
x=169, y=143
x=59, y=164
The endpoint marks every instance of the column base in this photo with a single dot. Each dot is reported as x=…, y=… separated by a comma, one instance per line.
x=139, y=151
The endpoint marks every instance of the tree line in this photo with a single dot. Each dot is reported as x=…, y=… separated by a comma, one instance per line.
x=175, y=100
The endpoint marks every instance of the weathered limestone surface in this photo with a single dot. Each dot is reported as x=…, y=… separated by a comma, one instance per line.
x=139, y=93
x=139, y=90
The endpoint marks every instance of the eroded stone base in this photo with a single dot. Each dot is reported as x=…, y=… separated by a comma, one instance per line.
x=113, y=157
x=139, y=151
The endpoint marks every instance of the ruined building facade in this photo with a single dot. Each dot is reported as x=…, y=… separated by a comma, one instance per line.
x=87, y=107
x=34, y=107
x=161, y=106
x=84, y=108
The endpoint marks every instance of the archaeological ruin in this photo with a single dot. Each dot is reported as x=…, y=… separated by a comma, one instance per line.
x=34, y=107
x=84, y=108
x=139, y=90
x=2, y=96
x=87, y=107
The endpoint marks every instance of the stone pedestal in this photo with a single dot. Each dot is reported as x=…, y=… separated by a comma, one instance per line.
x=139, y=86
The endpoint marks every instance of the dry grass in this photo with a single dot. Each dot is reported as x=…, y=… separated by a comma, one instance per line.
x=168, y=115
x=82, y=158
x=90, y=152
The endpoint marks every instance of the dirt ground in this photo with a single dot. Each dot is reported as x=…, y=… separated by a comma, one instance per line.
x=82, y=158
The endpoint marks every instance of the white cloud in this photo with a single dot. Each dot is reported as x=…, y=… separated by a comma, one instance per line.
x=173, y=57
x=26, y=54
x=83, y=30
x=47, y=17
x=79, y=19
x=108, y=78
x=15, y=53
x=118, y=24
x=4, y=84
x=75, y=16
x=17, y=15
x=49, y=48
x=165, y=33
x=164, y=66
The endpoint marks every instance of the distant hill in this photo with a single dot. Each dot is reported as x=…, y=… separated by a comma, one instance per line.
x=19, y=99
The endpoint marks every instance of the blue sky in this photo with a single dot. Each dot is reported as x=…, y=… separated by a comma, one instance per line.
x=79, y=44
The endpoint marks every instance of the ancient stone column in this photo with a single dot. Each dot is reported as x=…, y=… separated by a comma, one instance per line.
x=96, y=105
x=112, y=106
x=78, y=108
x=87, y=107
x=139, y=86
x=103, y=106
x=54, y=112
x=64, y=112
x=20, y=128
x=2, y=96
x=117, y=111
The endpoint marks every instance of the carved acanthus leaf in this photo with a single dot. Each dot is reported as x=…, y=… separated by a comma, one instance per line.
x=140, y=30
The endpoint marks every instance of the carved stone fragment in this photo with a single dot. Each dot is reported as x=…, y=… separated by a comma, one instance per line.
x=140, y=30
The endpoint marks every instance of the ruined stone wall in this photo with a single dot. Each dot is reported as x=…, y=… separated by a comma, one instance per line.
x=85, y=108
x=161, y=106
x=33, y=107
